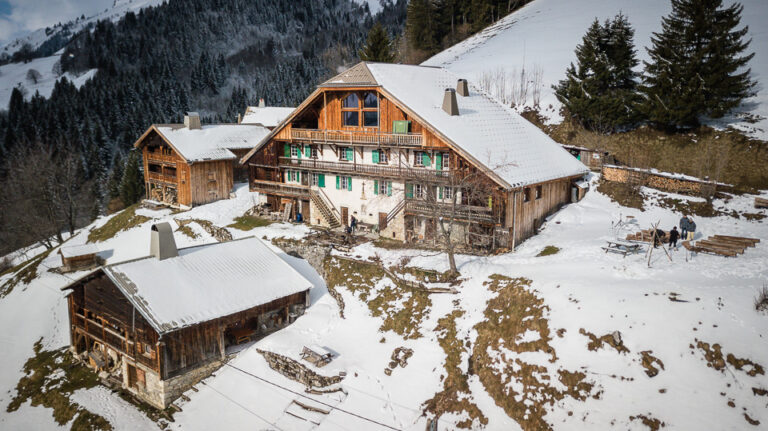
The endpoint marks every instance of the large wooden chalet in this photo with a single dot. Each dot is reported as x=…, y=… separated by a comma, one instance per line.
x=159, y=324
x=377, y=140
x=190, y=164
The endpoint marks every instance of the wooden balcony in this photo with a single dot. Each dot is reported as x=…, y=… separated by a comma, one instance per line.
x=359, y=137
x=371, y=170
x=159, y=177
x=282, y=189
x=160, y=158
x=468, y=213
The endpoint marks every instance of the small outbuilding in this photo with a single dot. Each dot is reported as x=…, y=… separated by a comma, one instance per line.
x=159, y=324
x=79, y=257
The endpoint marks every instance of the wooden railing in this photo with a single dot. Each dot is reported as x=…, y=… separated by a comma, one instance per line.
x=157, y=176
x=379, y=171
x=280, y=188
x=161, y=158
x=463, y=212
x=357, y=137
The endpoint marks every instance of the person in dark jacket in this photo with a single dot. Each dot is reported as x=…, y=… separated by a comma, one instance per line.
x=658, y=234
x=353, y=224
x=691, y=229
x=684, y=227
x=673, y=236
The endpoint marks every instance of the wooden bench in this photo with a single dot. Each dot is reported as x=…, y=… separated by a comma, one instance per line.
x=316, y=355
x=242, y=335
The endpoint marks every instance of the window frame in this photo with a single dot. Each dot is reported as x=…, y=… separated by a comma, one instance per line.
x=383, y=159
x=418, y=191
x=344, y=182
x=446, y=161
x=361, y=110
x=314, y=179
x=343, y=154
x=294, y=150
x=313, y=152
x=539, y=192
x=419, y=159
x=526, y=194
x=447, y=193
x=383, y=187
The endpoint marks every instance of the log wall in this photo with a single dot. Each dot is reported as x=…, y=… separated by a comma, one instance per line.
x=528, y=216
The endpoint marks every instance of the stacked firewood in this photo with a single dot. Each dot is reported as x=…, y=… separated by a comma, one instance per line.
x=646, y=235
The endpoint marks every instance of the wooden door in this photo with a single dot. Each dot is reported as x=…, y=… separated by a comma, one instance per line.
x=382, y=221
x=345, y=216
x=132, y=377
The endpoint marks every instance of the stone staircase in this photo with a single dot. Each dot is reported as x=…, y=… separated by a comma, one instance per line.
x=328, y=214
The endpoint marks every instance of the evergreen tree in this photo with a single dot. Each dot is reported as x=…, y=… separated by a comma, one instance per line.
x=132, y=183
x=600, y=90
x=115, y=178
x=421, y=26
x=697, y=64
x=378, y=47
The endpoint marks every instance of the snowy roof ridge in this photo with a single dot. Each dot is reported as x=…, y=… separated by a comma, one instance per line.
x=267, y=116
x=205, y=282
x=211, y=141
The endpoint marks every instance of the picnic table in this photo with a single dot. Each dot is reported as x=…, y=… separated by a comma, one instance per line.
x=316, y=355
x=622, y=247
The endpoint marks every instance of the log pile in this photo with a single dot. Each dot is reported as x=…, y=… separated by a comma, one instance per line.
x=722, y=245
x=646, y=235
x=660, y=181
x=761, y=203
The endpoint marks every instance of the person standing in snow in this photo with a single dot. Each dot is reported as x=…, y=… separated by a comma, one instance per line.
x=684, y=227
x=673, y=236
x=691, y=229
x=353, y=224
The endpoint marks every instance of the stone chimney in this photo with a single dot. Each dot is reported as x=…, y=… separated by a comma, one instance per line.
x=261, y=103
x=192, y=120
x=462, y=88
x=450, y=105
x=162, y=245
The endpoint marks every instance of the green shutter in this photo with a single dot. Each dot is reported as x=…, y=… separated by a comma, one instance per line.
x=425, y=160
x=298, y=151
x=375, y=156
x=350, y=154
x=298, y=176
x=440, y=193
x=321, y=180
x=409, y=190
x=308, y=151
x=389, y=188
x=287, y=150
x=439, y=161
x=349, y=183
x=338, y=182
x=490, y=201
x=375, y=187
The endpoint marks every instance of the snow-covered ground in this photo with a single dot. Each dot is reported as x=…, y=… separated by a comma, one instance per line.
x=15, y=75
x=581, y=285
x=544, y=34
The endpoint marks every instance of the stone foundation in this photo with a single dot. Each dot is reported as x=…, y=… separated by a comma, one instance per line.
x=161, y=393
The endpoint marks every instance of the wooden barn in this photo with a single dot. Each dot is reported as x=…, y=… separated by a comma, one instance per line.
x=190, y=164
x=159, y=324
x=397, y=145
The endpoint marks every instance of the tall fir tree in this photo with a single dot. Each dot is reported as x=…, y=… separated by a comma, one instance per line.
x=697, y=65
x=378, y=46
x=600, y=91
x=132, y=183
x=115, y=178
x=421, y=26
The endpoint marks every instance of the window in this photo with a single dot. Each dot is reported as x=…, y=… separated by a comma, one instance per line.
x=538, y=192
x=350, y=110
x=346, y=154
x=526, y=194
x=294, y=151
x=446, y=160
x=351, y=101
x=448, y=193
x=344, y=183
x=147, y=350
x=383, y=187
x=313, y=153
x=351, y=118
x=419, y=158
x=370, y=100
x=154, y=168
x=418, y=191
x=292, y=176
x=353, y=111
x=370, y=110
x=379, y=156
x=370, y=119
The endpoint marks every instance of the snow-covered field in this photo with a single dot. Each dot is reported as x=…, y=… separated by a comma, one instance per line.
x=15, y=75
x=663, y=309
x=544, y=34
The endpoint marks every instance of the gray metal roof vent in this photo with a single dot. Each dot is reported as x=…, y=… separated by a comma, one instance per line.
x=192, y=120
x=162, y=245
x=462, y=88
x=450, y=105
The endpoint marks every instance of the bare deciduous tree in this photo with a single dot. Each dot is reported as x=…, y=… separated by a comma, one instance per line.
x=33, y=76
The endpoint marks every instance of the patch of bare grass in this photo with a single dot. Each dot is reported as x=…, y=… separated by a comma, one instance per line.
x=50, y=378
x=401, y=308
x=713, y=354
x=651, y=363
x=596, y=342
x=649, y=421
x=125, y=220
x=548, y=251
x=623, y=194
x=514, y=311
x=456, y=395
x=249, y=222
x=25, y=273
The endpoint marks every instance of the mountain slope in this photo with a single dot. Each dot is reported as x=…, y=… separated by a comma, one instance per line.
x=544, y=34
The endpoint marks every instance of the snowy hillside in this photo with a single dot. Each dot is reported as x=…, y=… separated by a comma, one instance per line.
x=15, y=75
x=543, y=35
x=39, y=36
x=539, y=326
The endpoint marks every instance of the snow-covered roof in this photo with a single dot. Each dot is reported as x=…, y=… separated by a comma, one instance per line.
x=494, y=135
x=267, y=116
x=211, y=142
x=205, y=282
x=79, y=250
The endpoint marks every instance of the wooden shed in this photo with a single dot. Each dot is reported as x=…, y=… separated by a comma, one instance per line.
x=160, y=324
x=79, y=257
x=190, y=164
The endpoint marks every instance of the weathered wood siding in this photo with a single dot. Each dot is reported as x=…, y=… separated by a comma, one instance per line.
x=210, y=181
x=528, y=216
